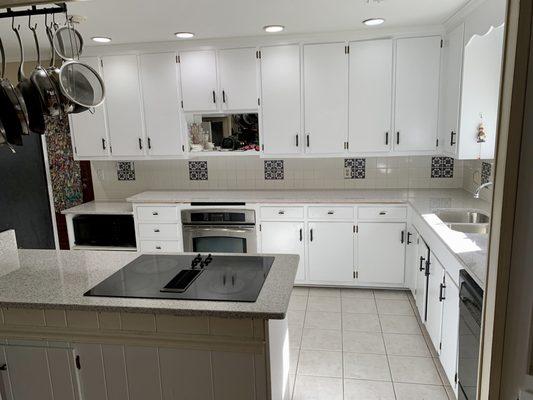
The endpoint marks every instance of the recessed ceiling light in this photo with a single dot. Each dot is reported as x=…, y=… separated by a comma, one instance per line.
x=184, y=35
x=373, y=21
x=101, y=39
x=273, y=28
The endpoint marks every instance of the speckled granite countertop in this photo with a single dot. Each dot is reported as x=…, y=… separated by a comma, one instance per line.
x=58, y=279
x=101, y=208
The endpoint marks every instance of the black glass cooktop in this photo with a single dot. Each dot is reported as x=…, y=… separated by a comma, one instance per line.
x=188, y=277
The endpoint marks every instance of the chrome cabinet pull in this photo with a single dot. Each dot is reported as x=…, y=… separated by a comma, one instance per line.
x=452, y=135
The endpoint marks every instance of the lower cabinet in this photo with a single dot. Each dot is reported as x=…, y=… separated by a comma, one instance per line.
x=331, y=252
x=421, y=278
x=285, y=237
x=434, y=302
x=34, y=370
x=411, y=259
x=381, y=253
x=449, y=339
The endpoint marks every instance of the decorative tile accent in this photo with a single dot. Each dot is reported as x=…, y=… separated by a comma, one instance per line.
x=486, y=171
x=442, y=167
x=357, y=168
x=126, y=170
x=274, y=170
x=198, y=171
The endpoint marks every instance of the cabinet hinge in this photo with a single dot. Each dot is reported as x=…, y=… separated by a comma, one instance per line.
x=346, y=49
x=78, y=362
x=178, y=59
x=258, y=101
x=258, y=54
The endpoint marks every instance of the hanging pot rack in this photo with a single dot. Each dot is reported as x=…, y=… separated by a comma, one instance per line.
x=58, y=8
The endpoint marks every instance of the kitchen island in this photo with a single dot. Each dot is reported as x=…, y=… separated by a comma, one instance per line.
x=76, y=346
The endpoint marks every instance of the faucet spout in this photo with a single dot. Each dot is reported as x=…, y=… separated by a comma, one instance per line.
x=478, y=190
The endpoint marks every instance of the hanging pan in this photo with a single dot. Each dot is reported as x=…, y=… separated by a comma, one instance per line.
x=67, y=42
x=13, y=113
x=29, y=92
x=43, y=83
x=3, y=138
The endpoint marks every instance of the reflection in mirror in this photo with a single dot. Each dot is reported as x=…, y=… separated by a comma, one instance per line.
x=223, y=133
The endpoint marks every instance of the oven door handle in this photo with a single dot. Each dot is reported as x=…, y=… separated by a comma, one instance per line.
x=234, y=228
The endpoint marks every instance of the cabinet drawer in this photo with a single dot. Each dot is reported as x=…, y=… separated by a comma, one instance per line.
x=330, y=212
x=159, y=231
x=381, y=213
x=157, y=213
x=160, y=246
x=280, y=213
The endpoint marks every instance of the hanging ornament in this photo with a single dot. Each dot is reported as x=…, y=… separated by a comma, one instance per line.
x=481, y=134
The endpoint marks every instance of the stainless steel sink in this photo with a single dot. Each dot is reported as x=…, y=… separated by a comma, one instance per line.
x=482, y=229
x=459, y=216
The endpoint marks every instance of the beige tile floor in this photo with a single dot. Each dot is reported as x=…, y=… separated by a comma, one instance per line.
x=360, y=344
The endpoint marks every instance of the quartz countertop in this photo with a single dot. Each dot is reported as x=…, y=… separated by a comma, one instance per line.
x=58, y=278
x=469, y=249
x=101, y=208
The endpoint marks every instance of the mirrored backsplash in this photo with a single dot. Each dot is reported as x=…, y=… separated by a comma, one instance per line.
x=254, y=173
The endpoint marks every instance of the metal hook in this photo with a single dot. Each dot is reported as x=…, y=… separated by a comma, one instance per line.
x=13, y=25
x=29, y=24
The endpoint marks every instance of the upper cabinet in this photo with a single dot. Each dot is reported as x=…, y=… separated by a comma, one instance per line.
x=160, y=88
x=123, y=105
x=370, y=102
x=417, y=94
x=280, y=100
x=238, y=79
x=480, y=95
x=325, y=69
x=89, y=130
x=199, y=80
x=451, y=88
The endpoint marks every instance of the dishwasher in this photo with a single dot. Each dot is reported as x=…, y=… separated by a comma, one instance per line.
x=470, y=315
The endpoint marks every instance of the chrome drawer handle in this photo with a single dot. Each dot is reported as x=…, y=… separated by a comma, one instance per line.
x=156, y=230
x=155, y=213
x=382, y=213
x=281, y=212
x=331, y=212
x=158, y=247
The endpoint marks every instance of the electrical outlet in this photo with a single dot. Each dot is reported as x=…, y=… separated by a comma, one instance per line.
x=100, y=174
x=347, y=172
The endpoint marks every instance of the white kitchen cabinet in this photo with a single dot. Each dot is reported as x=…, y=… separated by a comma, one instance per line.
x=451, y=88
x=325, y=69
x=370, y=100
x=417, y=94
x=199, y=80
x=480, y=94
x=143, y=372
x=331, y=252
x=450, y=329
x=89, y=129
x=238, y=79
x=434, y=303
x=92, y=377
x=280, y=100
x=411, y=259
x=35, y=370
x=421, y=278
x=161, y=100
x=123, y=105
x=381, y=253
x=286, y=238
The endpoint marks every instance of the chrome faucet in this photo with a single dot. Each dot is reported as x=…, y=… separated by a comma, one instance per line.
x=476, y=194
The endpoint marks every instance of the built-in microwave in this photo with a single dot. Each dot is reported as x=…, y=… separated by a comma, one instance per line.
x=104, y=231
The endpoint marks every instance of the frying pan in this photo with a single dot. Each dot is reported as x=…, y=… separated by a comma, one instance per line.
x=13, y=112
x=44, y=84
x=29, y=93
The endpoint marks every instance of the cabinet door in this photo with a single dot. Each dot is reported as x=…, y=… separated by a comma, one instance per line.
x=285, y=237
x=326, y=98
x=199, y=80
x=143, y=372
x=123, y=105
x=450, y=329
x=331, y=251
x=370, y=96
x=417, y=93
x=451, y=86
x=381, y=253
x=51, y=371
x=434, y=303
x=92, y=377
x=160, y=89
x=411, y=259
x=238, y=79
x=280, y=100
x=421, y=279
x=89, y=129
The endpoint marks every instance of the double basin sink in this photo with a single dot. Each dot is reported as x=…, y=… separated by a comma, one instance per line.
x=467, y=221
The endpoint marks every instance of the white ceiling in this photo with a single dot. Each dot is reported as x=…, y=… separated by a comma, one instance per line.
x=131, y=21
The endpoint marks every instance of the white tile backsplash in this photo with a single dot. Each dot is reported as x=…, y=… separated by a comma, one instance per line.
x=247, y=172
